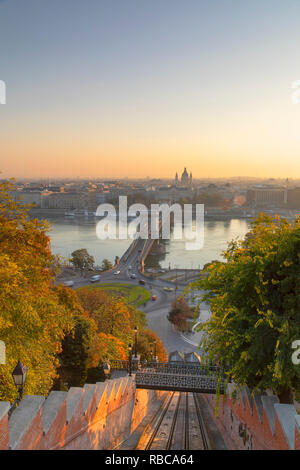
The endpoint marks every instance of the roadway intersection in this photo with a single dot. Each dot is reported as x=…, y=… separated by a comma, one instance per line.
x=156, y=311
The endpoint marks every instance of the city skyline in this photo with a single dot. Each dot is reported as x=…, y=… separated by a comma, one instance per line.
x=139, y=89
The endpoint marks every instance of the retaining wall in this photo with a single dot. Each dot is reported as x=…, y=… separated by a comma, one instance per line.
x=96, y=416
x=256, y=422
x=103, y=415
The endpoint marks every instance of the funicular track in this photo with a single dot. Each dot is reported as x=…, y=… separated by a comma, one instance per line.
x=178, y=425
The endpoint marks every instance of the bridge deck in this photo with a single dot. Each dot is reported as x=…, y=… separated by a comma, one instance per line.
x=179, y=382
x=177, y=377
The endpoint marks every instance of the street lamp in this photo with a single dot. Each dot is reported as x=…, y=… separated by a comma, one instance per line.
x=155, y=348
x=130, y=355
x=106, y=369
x=19, y=376
x=154, y=358
x=135, y=340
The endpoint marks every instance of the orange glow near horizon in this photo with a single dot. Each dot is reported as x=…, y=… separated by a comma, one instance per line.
x=222, y=148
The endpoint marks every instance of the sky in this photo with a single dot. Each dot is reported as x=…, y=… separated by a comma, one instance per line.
x=115, y=88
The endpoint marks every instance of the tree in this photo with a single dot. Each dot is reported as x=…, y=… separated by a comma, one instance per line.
x=82, y=260
x=148, y=344
x=106, y=265
x=113, y=318
x=255, y=303
x=112, y=314
x=180, y=313
x=112, y=348
x=91, y=298
x=32, y=320
x=81, y=347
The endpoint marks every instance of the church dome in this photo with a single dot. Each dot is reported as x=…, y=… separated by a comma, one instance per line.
x=184, y=177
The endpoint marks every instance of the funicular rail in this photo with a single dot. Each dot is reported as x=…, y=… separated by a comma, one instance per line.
x=178, y=425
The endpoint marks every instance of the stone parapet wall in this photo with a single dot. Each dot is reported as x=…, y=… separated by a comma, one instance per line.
x=98, y=416
x=103, y=415
x=256, y=422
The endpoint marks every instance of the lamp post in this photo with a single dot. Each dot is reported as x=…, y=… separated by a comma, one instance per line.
x=106, y=369
x=19, y=376
x=135, y=340
x=130, y=356
x=155, y=356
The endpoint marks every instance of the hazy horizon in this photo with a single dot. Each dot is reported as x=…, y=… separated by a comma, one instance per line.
x=103, y=89
x=20, y=177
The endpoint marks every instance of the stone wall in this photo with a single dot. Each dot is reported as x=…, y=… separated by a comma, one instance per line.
x=96, y=416
x=103, y=415
x=256, y=422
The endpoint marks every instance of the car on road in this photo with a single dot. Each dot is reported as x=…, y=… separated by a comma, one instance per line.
x=129, y=268
x=169, y=289
x=141, y=281
x=154, y=297
x=161, y=271
x=69, y=283
x=117, y=272
x=95, y=278
x=133, y=276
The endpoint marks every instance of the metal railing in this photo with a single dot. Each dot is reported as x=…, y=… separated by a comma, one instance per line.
x=196, y=383
x=168, y=367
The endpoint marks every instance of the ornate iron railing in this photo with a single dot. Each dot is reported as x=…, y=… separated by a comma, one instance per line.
x=167, y=367
x=179, y=382
x=178, y=376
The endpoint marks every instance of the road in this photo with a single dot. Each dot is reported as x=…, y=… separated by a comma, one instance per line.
x=156, y=311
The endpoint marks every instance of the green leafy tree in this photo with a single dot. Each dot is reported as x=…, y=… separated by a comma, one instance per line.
x=82, y=260
x=255, y=304
x=106, y=265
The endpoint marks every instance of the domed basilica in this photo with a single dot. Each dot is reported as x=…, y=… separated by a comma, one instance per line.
x=186, y=179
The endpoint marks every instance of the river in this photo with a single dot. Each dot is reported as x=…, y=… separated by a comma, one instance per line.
x=69, y=234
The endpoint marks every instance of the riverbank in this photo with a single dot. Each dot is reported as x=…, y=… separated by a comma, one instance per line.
x=212, y=213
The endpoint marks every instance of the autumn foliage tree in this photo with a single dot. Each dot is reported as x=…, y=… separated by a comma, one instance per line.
x=91, y=298
x=81, y=348
x=57, y=335
x=111, y=313
x=180, y=313
x=115, y=320
x=32, y=320
x=255, y=303
x=149, y=343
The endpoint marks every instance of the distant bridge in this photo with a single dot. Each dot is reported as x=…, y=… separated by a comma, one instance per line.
x=143, y=245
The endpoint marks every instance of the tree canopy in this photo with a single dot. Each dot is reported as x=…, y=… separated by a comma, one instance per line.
x=148, y=344
x=115, y=320
x=58, y=333
x=180, y=313
x=255, y=303
x=106, y=265
x=32, y=320
x=82, y=260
